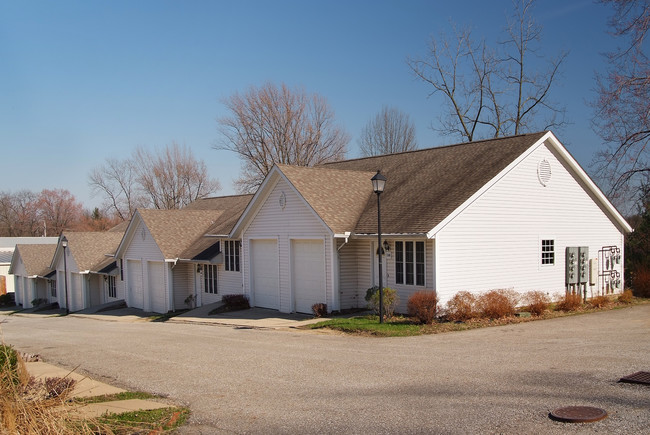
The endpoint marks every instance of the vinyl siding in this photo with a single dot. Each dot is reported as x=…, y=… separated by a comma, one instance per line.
x=496, y=241
x=183, y=284
x=295, y=220
x=355, y=272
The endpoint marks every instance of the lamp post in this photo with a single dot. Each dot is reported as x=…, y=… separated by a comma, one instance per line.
x=64, y=245
x=378, y=183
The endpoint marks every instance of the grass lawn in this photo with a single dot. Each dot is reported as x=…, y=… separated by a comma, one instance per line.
x=400, y=326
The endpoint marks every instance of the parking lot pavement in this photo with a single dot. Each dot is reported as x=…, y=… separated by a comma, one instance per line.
x=493, y=380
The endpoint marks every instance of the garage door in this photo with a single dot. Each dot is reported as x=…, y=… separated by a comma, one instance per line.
x=156, y=275
x=136, y=295
x=264, y=273
x=76, y=289
x=307, y=274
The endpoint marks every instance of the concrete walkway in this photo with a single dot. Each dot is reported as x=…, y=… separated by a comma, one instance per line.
x=252, y=318
x=86, y=387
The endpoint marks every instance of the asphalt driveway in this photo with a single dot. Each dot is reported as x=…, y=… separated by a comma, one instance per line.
x=494, y=380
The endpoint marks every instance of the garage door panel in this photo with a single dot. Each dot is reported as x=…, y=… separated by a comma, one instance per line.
x=308, y=274
x=265, y=273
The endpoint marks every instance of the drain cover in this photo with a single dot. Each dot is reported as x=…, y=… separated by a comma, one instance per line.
x=637, y=378
x=578, y=414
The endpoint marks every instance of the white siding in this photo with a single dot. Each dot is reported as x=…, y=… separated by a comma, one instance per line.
x=355, y=265
x=295, y=220
x=495, y=242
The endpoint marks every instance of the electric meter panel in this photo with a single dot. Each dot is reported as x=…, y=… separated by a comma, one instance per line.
x=572, y=255
x=583, y=264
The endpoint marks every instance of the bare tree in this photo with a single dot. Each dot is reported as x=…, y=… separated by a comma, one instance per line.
x=622, y=110
x=271, y=124
x=116, y=181
x=492, y=92
x=173, y=178
x=58, y=210
x=167, y=179
x=391, y=131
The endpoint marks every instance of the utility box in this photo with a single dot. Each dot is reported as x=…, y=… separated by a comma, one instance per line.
x=571, y=265
x=593, y=271
x=583, y=264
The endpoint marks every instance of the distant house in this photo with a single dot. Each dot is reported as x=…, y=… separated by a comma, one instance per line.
x=175, y=259
x=7, y=246
x=92, y=274
x=34, y=279
x=477, y=216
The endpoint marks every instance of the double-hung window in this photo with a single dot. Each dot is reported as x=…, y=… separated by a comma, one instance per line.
x=210, y=278
x=231, y=254
x=112, y=289
x=53, y=288
x=548, y=251
x=409, y=263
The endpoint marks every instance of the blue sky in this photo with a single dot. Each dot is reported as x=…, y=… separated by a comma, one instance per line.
x=82, y=81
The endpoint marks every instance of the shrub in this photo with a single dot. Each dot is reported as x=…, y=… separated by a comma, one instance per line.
x=641, y=282
x=569, y=302
x=496, y=304
x=423, y=305
x=461, y=307
x=626, y=297
x=600, y=301
x=391, y=300
x=7, y=300
x=319, y=309
x=9, y=365
x=236, y=302
x=38, y=302
x=537, y=302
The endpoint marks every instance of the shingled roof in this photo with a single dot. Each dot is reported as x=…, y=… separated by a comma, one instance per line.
x=423, y=186
x=90, y=249
x=36, y=258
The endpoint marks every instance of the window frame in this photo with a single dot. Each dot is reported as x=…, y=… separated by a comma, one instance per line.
x=547, y=257
x=53, y=288
x=210, y=283
x=410, y=262
x=232, y=249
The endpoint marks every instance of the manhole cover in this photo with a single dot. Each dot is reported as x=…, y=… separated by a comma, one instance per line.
x=578, y=414
x=637, y=378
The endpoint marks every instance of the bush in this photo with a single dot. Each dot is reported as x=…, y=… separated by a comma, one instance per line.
x=236, y=302
x=461, y=307
x=38, y=302
x=423, y=305
x=626, y=297
x=569, y=302
x=600, y=301
x=319, y=309
x=7, y=300
x=537, y=302
x=391, y=300
x=496, y=304
x=641, y=282
x=9, y=365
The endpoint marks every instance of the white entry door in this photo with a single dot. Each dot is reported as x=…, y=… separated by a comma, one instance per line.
x=265, y=282
x=307, y=274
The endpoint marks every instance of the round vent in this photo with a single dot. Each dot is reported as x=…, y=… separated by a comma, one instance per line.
x=544, y=172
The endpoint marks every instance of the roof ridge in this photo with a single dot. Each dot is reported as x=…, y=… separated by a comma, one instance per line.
x=433, y=148
x=224, y=196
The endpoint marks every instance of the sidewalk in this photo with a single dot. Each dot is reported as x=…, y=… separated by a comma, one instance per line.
x=86, y=387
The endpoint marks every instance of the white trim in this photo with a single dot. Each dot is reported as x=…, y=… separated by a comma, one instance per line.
x=541, y=265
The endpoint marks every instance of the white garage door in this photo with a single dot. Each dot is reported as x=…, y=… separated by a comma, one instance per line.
x=136, y=295
x=307, y=274
x=76, y=289
x=156, y=275
x=264, y=273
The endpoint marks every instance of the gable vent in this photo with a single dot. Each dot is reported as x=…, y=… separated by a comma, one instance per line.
x=544, y=172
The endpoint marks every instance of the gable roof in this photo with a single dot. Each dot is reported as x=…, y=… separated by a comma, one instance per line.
x=35, y=258
x=231, y=208
x=91, y=250
x=424, y=188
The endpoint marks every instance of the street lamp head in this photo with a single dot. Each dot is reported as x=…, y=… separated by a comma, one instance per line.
x=378, y=183
x=64, y=242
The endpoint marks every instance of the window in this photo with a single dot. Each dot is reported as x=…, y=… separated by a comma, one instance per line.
x=112, y=289
x=210, y=278
x=53, y=288
x=409, y=263
x=231, y=253
x=548, y=251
